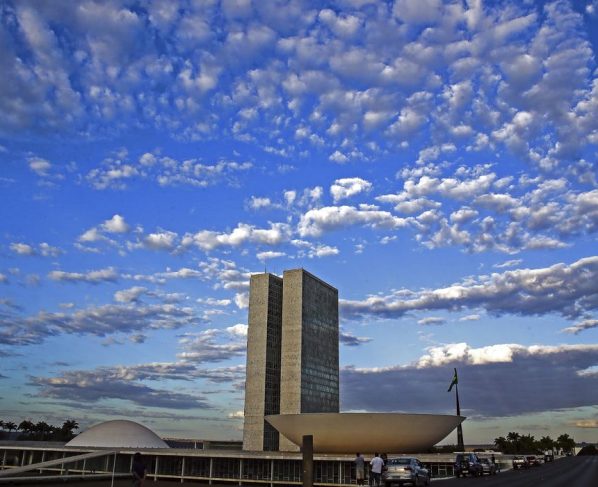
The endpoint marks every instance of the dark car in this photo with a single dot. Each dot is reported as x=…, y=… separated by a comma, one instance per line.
x=468, y=464
x=405, y=471
x=533, y=460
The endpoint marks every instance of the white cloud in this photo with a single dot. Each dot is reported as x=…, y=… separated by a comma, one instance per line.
x=239, y=330
x=92, y=277
x=116, y=224
x=565, y=289
x=581, y=326
x=163, y=240
x=347, y=187
x=243, y=233
x=316, y=222
x=22, y=248
x=269, y=254
x=129, y=295
x=322, y=251
x=39, y=166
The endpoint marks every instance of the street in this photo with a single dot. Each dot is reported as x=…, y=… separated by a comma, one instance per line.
x=565, y=472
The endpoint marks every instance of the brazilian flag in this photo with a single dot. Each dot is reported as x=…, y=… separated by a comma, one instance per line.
x=454, y=382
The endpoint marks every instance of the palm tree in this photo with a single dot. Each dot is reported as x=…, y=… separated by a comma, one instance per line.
x=26, y=427
x=42, y=428
x=501, y=443
x=565, y=443
x=67, y=429
x=546, y=443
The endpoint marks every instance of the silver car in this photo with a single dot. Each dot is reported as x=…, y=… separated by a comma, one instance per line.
x=405, y=471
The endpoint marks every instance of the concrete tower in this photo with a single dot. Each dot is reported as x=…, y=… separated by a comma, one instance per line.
x=309, y=372
x=262, y=381
x=292, y=353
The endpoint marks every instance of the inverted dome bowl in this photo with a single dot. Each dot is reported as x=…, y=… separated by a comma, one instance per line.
x=366, y=432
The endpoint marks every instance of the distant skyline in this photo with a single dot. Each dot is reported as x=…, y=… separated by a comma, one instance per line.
x=435, y=161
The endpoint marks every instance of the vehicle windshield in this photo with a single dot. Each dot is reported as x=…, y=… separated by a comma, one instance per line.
x=399, y=461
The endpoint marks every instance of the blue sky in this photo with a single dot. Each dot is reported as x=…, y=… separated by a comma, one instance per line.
x=434, y=161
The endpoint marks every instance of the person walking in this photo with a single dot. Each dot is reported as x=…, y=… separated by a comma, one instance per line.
x=138, y=470
x=359, y=468
x=376, y=465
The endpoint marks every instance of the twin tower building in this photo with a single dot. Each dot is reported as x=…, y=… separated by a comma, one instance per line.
x=292, y=353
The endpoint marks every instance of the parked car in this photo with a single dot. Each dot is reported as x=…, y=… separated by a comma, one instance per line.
x=520, y=462
x=532, y=460
x=405, y=471
x=488, y=467
x=468, y=464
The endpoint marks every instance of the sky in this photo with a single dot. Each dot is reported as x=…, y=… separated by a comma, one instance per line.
x=435, y=161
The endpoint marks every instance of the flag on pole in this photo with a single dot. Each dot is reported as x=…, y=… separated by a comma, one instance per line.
x=454, y=382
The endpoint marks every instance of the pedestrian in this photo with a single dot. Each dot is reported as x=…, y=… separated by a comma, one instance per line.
x=138, y=470
x=376, y=465
x=359, y=468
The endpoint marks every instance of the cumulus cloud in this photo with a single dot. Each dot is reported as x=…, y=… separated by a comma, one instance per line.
x=203, y=346
x=350, y=340
x=551, y=380
x=581, y=326
x=103, y=384
x=318, y=221
x=431, y=320
x=347, y=187
x=93, y=277
x=39, y=166
x=163, y=240
x=22, y=249
x=269, y=254
x=101, y=321
x=568, y=290
x=44, y=249
x=116, y=224
x=243, y=233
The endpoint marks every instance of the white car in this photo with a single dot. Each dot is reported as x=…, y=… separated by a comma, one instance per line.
x=405, y=471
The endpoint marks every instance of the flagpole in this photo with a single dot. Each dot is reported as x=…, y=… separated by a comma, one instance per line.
x=460, y=444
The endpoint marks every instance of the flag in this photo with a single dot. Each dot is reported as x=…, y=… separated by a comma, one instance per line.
x=454, y=382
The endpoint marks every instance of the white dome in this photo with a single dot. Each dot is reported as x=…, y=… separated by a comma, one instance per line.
x=118, y=433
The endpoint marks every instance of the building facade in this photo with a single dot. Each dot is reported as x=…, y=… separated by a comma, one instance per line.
x=292, y=353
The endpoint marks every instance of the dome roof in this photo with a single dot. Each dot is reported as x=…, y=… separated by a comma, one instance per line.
x=118, y=433
x=366, y=432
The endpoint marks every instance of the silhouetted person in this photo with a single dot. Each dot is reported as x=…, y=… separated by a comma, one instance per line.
x=359, y=468
x=138, y=470
x=376, y=465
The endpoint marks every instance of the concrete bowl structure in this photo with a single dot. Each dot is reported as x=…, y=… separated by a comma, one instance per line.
x=118, y=433
x=366, y=432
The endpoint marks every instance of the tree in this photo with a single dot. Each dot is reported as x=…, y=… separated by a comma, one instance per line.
x=501, y=443
x=565, y=443
x=67, y=431
x=43, y=429
x=10, y=426
x=527, y=444
x=546, y=443
x=26, y=427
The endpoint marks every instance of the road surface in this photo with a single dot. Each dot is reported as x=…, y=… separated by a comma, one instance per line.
x=565, y=472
